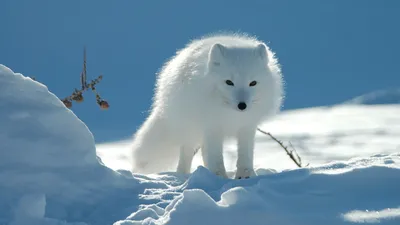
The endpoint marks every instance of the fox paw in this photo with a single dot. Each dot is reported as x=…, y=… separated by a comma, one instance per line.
x=244, y=173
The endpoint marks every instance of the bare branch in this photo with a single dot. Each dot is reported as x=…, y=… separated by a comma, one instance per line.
x=292, y=154
x=77, y=95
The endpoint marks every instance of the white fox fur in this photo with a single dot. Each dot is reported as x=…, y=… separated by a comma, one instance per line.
x=196, y=106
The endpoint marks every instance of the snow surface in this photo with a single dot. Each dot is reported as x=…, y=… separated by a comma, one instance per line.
x=50, y=173
x=391, y=96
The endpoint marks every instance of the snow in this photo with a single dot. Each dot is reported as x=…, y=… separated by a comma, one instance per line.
x=49, y=169
x=53, y=173
x=391, y=96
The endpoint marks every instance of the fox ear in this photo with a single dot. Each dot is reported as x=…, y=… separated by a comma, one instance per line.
x=261, y=51
x=216, y=54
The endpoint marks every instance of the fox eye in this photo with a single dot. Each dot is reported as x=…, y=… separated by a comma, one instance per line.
x=253, y=83
x=229, y=82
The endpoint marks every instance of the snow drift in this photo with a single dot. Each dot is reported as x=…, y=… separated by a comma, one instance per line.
x=380, y=97
x=49, y=170
x=360, y=191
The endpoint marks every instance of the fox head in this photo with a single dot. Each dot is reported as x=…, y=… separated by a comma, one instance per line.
x=241, y=75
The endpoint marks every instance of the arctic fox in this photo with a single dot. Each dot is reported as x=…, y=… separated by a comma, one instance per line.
x=219, y=86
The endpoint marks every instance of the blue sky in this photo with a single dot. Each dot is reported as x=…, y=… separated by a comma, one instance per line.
x=330, y=51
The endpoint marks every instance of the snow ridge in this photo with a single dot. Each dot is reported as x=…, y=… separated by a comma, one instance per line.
x=380, y=97
x=48, y=162
x=319, y=195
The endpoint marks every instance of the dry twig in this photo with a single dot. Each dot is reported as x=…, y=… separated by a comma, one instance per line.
x=291, y=153
x=77, y=95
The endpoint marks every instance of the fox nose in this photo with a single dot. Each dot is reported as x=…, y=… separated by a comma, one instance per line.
x=242, y=106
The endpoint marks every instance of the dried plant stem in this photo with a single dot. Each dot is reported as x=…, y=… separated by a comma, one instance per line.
x=291, y=153
x=77, y=95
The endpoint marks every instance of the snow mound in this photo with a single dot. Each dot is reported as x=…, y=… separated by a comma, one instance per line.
x=362, y=190
x=49, y=170
x=39, y=120
x=377, y=98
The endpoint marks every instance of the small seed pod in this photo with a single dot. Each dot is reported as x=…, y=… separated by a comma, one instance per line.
x=78, y=98
x=67, y=103
x=103, y=104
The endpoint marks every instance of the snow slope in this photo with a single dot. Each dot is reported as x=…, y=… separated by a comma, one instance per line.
x=49, y=170
x=319, y=135
x=391, y=96
x=50, y=173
